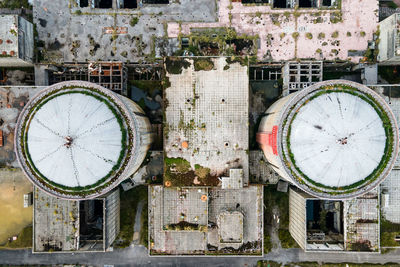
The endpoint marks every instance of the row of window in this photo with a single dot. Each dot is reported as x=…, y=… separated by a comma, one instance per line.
x=119, y=3
x=292, y=3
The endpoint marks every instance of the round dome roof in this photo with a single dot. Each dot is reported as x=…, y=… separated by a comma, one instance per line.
x=336, y=139
x=339, y=139
x=74, y=140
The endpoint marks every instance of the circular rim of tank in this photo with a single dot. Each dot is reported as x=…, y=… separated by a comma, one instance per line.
x=351, y=191
x=108, y=182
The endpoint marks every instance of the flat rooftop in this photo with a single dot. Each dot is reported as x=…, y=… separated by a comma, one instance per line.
x=249, y=202
x=206, y=240
x=56, y=224
x=361, y=222
x=230, y=226
x=391, y=187
x=170, y=242
x=107, y=34
x=286, y=34
x=185, y=204
x=206, y=114
x=78, y=34
x=9, y=35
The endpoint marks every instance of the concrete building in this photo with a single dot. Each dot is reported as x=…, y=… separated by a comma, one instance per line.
x=362, y=223
x=16, y=41
x=316, y=225
x=326, y=225
x=300, y=75
x=69, y=225
x=206, y=206
x=389, y=45
x=78, y=140
x=334, y=140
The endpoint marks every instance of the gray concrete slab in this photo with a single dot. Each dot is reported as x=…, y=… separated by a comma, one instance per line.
x=72, y=34
x=361, y=221
x=248, y=201
x=185, y=204
x=391, y=187
x=56, y=224
x=170, y=242
x=207, y=117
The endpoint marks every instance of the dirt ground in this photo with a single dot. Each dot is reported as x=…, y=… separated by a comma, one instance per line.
x=14, y=217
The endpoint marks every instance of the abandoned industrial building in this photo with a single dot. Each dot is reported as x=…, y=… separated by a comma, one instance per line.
x=206, y=204
x=201, y=128
x=16, y=41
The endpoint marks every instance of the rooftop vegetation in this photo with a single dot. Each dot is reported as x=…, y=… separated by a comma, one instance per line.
x=388, y=232
x=280, y=200
x=175, y=65
x=178, y=172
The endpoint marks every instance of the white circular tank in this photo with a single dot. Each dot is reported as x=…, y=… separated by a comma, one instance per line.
x=335, y=140
x=78, y=140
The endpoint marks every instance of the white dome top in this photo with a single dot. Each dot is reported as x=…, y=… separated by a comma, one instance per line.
x=337, y=139
x=74, y=140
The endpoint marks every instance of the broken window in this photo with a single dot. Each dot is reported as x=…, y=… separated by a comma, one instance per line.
x=84, y=3
x=185, y=42
x=103, y=3
x=128, y=4
x=255, y=1
x=304, y=3
x=308, y=3
x=280, y=3
x=327, y=2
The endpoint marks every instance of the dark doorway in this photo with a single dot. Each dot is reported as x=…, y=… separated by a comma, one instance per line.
x=280, y=3
x=129, y=4
x=84, y=3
